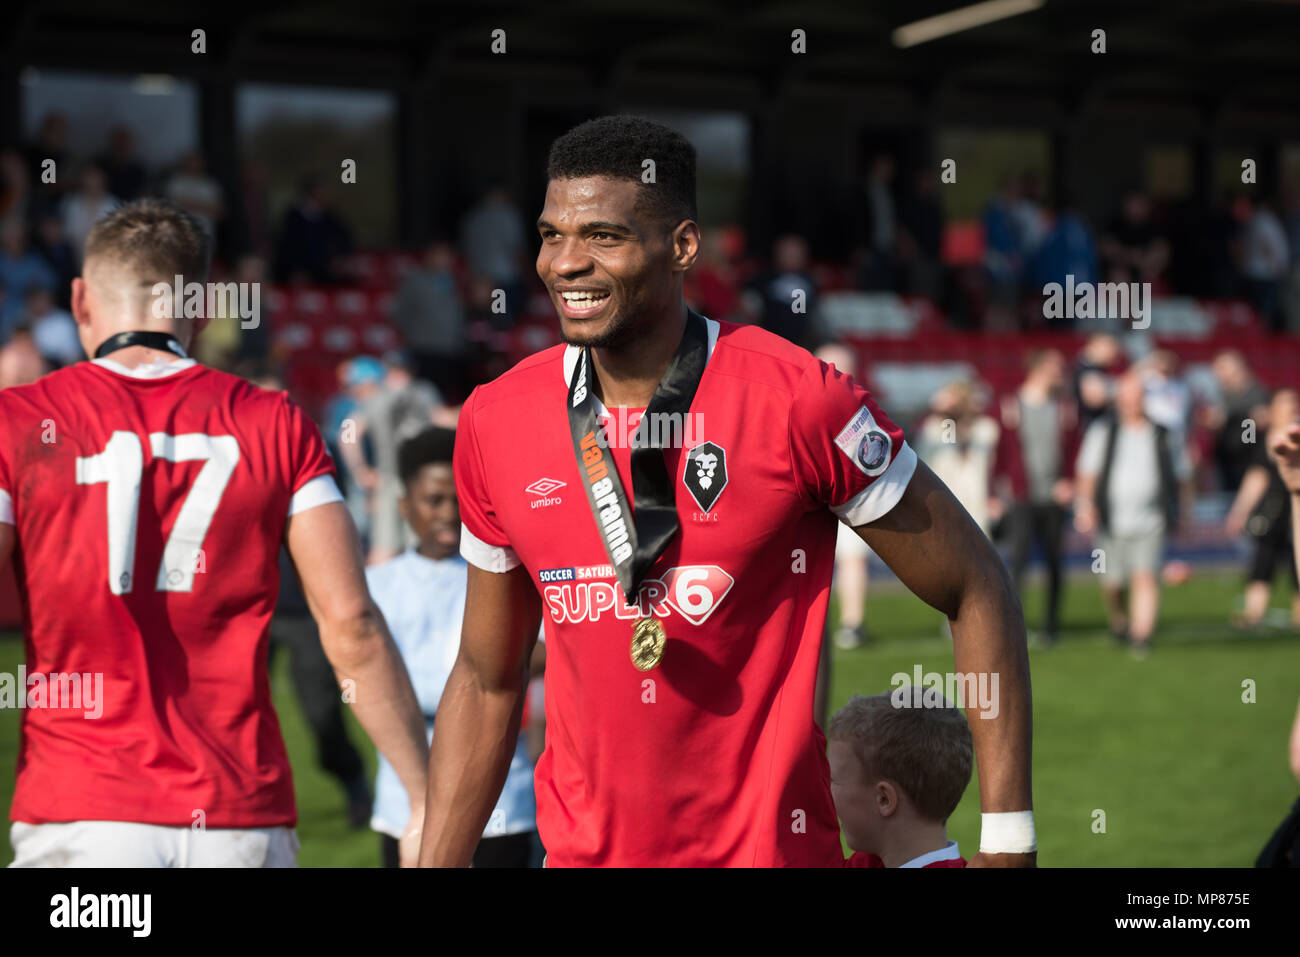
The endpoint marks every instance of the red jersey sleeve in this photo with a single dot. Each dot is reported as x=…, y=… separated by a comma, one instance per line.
x=309, y=469
x=483, y=542
x=846, y=453
x=308, y=457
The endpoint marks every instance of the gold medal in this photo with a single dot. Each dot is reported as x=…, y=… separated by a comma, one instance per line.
x=648, y=639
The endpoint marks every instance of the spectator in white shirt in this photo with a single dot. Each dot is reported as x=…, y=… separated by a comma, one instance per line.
x=1130, y=479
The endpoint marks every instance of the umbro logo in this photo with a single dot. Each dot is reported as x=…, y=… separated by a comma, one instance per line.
x=542, y=490
x=544, y=486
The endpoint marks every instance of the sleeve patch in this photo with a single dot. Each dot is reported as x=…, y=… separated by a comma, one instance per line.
x=867, y=445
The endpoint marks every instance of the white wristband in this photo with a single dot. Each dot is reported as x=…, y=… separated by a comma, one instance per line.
x=1011, y=832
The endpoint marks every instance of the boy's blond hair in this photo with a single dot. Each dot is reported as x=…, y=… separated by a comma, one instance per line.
x=926, y=751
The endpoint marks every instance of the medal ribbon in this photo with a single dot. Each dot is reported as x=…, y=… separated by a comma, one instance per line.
x=635, y=545
x=137, y=337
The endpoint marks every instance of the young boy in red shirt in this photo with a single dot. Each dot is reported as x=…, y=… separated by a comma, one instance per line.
x=898, y=769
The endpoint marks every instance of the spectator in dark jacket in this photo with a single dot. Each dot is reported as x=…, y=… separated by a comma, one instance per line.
x=312, y=238
x=1262, y=510
x=1033, y=472
x=126, y=174
x=1243, y=401
x=782, y=299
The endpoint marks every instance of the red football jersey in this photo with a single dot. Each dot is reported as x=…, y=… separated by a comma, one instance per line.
x=149, y=508
x=714, y=757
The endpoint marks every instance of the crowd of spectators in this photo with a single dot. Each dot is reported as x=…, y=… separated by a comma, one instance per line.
x=1117, y=450
x=49, y=199
x=1014, y=466
x=1245, y=246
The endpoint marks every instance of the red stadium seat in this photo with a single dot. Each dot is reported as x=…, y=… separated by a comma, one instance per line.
x=351, y=302
x=364, y=268
x=278, y=302
x=293, y=335
x=311, y=303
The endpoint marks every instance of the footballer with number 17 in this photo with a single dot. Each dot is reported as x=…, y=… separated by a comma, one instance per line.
x=684, y=580
x=144, y=499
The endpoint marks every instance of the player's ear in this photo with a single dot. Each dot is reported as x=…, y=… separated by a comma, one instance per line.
x=686, y=244
x=80, y=303
x=81, y=313
x=885, y=794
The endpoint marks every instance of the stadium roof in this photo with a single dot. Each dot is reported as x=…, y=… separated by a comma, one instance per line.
x=1225, y=60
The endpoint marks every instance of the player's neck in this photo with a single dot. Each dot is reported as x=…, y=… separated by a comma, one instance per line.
x=134, y=356
x=899, y=847
x=627, y=375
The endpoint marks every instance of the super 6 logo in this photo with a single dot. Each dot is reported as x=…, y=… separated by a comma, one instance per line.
x=691, y=591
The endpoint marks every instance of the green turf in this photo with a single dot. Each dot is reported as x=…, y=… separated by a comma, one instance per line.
x=1186, y=773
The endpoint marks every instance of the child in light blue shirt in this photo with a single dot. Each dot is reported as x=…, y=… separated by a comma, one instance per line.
x=422, y=596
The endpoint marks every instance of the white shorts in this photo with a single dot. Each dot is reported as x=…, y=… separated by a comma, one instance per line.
x=127, y=844
x=1126, y=554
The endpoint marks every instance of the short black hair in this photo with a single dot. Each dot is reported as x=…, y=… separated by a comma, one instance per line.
x=430, y=447
x=617, y=147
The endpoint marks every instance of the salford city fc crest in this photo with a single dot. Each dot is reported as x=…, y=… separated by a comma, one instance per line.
x=706, y=473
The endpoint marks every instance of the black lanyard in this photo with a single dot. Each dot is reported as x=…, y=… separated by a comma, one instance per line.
x=164, y=341
x=634, y=546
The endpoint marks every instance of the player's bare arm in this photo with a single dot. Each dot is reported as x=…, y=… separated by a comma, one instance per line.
x=937, y=550
x=355, y=459
x=1253, y=487
x=1085, y=509
x=323, y=544
x=478, y=717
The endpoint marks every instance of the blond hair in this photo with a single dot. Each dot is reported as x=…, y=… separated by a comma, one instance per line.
x=926, y=751
x=155, y=238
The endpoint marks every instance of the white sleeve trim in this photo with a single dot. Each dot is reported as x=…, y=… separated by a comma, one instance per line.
x=490, y=558
x=319, y=491
x=881, y=495
x=6, y=508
